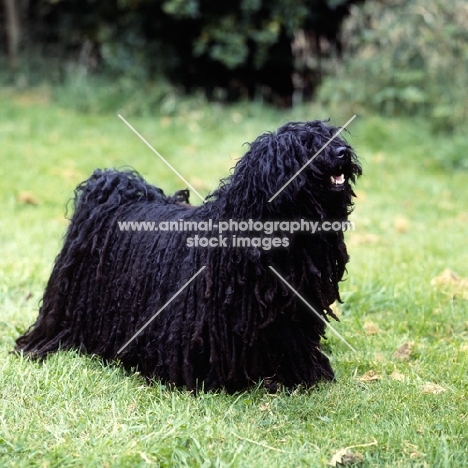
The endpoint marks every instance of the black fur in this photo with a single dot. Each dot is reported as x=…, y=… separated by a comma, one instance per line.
x=236, y=323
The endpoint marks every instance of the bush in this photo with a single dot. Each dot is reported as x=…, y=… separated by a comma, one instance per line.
x=405, y=57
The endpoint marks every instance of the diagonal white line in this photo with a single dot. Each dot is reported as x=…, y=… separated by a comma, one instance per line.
x=311, y=308
x=159, y=155
x=312, y=158
x=161, y=309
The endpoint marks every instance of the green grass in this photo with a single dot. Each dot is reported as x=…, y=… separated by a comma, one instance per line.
x=411, y=223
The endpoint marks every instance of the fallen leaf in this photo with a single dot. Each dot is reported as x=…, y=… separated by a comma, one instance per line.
x=27, y=198
x=379, y=357
x=449, y=282
x=346, y=457
x=370, y=328
x=413, y=451
x=403, y=353
x=416, y=455
x=363, y=239
x=264, y=406
x=433, y=388
x=401, y=225
x=447, y=277
x=395, y=375
x=369, y=376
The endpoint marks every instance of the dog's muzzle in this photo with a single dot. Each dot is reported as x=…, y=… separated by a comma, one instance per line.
x=343, y=158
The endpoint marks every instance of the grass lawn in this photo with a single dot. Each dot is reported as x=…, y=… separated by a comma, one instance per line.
x=399, y=401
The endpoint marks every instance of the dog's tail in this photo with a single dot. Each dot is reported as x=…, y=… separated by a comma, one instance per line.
x=98, y=203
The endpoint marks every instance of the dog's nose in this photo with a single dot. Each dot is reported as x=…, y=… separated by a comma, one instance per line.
x=341, y=152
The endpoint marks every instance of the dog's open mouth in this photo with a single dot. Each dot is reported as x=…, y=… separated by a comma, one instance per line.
x=337, y=180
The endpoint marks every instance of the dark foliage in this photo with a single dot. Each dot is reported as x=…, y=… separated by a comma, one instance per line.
x=236, y=323
x=232, y=50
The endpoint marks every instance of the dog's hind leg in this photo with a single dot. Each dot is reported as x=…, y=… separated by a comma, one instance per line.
x=73, y=289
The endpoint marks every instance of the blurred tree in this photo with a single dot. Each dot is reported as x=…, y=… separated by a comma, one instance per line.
x=234, y=49
x=13, y=31
x=246, y=47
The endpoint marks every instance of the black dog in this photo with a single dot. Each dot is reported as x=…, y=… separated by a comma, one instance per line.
x=236, y=323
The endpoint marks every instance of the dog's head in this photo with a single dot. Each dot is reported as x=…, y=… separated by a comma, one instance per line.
x=304, y=168
x=329, y=167
x=331, y=159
